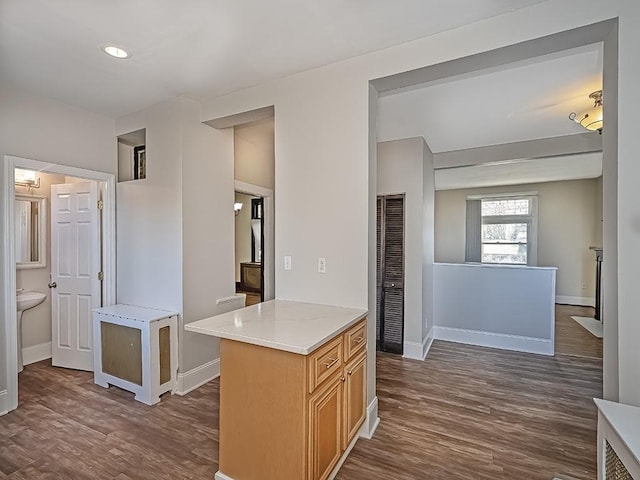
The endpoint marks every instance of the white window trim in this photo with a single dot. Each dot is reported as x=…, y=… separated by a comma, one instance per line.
x=532, y=221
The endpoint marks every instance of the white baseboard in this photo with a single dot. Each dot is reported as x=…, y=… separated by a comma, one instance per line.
x=495, y=340
x=197, y=377
x=221, y=476
x=372, y=420
x=36, y=353
x=4, y=397
x=418, y=351
x=582, y=301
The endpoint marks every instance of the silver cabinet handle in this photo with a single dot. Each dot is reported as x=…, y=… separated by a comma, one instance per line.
x=53, y=285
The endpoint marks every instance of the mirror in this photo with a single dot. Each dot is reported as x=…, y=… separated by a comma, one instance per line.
x=30, y=231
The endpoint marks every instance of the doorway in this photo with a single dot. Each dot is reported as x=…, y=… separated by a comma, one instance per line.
x=249, y=247
x=102, y=240
x=390, y=273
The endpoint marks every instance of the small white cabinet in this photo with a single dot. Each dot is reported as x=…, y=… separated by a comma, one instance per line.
x=136, y=348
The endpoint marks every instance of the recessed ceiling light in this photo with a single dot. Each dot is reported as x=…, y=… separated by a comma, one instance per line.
x=114, y=51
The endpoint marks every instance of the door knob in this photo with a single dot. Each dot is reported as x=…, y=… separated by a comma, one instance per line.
x=53, y=285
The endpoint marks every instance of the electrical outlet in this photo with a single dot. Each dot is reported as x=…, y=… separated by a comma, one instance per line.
x=287, y=262
x=584, y=285
x=322, y=265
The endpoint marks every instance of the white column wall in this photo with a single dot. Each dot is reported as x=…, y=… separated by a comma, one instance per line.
x=400, y=171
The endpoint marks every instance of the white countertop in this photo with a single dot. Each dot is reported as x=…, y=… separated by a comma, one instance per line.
x=281, y=324
x=625, y=421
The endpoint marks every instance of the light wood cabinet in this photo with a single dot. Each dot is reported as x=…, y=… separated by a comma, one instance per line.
x=354, y=408
x=286, y=415
x=325, y=432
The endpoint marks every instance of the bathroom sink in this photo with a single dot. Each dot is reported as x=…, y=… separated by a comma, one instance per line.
x=27, y=300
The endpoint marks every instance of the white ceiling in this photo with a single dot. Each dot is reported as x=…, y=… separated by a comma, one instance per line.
x=202, y=48
x=517, y=102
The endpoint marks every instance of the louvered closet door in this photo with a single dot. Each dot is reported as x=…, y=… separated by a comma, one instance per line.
x=390, y=273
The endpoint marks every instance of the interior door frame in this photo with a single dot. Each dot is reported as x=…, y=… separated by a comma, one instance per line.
x=268, y=234
x=107, y=184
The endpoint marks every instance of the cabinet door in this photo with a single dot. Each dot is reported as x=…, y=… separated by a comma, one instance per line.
x=325, y=442
x=355, y=392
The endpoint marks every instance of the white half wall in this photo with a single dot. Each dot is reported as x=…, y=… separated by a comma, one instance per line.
x=569, y=222
x=508, y=307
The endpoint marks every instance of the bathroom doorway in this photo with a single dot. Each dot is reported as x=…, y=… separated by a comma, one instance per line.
x=66, y=253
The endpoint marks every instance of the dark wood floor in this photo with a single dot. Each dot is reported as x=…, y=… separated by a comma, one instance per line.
x=571, y=338
x=476, y=413
x=466, y=413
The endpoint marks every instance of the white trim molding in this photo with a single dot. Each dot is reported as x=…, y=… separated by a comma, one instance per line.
x=418, y=351
x=196, y=377
x=372, y=420
x=36, y=353
x=582, y=301
x=502, y=341
x=3, y=402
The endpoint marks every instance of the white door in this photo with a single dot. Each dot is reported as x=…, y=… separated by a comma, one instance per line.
x=75, y=264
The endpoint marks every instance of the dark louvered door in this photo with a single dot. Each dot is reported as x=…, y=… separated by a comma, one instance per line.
x=390, y=273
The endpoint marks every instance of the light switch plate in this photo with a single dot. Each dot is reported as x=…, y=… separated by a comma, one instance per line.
x=287, y=262
x=322, y=265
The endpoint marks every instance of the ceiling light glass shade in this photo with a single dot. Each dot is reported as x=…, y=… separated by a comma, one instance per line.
x=591, y=119
x=114, y=51
x=25, y=177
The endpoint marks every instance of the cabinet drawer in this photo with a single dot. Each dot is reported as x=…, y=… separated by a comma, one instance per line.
x=324, y=362
x=355, y=339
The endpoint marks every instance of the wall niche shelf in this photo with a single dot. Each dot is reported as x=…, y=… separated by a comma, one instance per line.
x=132, y=156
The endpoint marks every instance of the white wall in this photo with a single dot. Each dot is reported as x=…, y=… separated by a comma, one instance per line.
x=402, y=169
x=568, y=221
x=207, y=229
x=149, y=213
x=628, y=225
x=243, y=232
x=125, y=161
x=510, y=307
x=428, y=241
x=611, y=385
x=254, y=153
x=47, y=130
x=175, y=247
x=36, y=322
x=322, y=144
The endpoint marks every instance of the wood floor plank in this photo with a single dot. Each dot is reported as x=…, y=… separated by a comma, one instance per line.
x=466, y=413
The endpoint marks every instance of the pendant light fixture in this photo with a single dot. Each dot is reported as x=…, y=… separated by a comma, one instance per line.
x=592, y=118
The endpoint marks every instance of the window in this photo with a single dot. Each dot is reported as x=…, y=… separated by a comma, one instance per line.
x=501, y=229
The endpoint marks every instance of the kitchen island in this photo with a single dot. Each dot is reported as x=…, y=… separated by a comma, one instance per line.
x=292, y=388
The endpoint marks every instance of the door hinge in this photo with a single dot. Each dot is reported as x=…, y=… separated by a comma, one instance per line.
x=101, y=276
x=100, y=204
